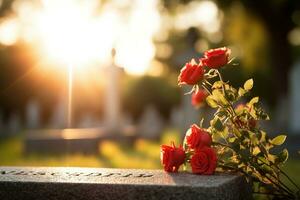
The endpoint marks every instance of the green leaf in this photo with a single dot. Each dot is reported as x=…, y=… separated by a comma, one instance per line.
x=241, y=92
x=248, y=84
x=245, y=154
x=262, y=160
x=211, y=102
x=216, y=135
x=279, y=140
x=232, y=139
x=253, y=101
x=217, y=84
x=225, y=132
x=283, y=156
x=266, y=169
x=263, y=136
x=221, y=113
x=218, y=125
x=271, y=158
x=256, y=151
x=242, y=165
x=236, y=132
x=218, y=96
x=253, y=114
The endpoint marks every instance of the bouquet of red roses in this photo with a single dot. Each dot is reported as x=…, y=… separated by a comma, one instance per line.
x=234, y=140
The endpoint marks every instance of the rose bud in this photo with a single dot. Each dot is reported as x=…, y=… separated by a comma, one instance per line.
x=204, y=161
x=191, y=73
x=199, y=97
x=250, y=122
x=172, y=157
x=216, y=58
x=239, y=122
x=197, y=137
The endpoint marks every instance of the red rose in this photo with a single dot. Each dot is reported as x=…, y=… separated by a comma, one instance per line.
x=190, y=74
x=197, y=137
x=204, y=161
x=198, y=97
x=172, y=157
x=216, y=58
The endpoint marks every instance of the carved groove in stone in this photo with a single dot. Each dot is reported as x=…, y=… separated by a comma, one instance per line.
x=92, y=174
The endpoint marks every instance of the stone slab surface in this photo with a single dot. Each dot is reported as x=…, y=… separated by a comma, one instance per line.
x=101, y=183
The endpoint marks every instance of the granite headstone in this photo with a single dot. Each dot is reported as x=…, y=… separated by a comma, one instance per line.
x=115, y=184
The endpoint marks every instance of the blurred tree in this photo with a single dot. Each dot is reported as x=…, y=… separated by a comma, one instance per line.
x=148, y=90
x=21, y=80
x=264, y=27
x=277, y=19
x=5, y=7
x=183, y=45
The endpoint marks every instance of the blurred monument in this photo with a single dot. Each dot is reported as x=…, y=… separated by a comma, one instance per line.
x=32, y=114
x=294, y=121
x=113, y=98
x=14, y=123
x=2, y=127
x=189, y=113
x=64, y=139
x=59, y=116
x=151, y=124
x=87, y=121
x=176, y=117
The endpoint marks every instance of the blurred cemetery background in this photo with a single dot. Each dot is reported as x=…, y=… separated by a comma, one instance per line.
x=94, y=83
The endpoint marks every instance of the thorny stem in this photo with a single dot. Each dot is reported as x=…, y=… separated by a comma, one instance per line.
x=206, y=89
x=275, y=185
x=288, y=177
x=223, y=88
x=206, y=81
x=224, y=145
x=289, y=194
x=221, y=79
x=283, y=174
x=228, y=167
x=281, y=187
x=263, y=193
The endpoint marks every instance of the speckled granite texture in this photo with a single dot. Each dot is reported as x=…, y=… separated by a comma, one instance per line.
x=70, y=183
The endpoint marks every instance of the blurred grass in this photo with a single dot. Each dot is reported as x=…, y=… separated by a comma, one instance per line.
x=291, y=168
x=143, y=154
x=11, y=154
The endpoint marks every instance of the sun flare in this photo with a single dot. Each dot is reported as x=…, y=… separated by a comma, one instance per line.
x=82, y=33
x=70, y=34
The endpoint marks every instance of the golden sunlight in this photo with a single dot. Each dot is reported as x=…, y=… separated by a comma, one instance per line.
x=199, y=13
x=9, y=32
x=71, y=33
x=81, y=32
